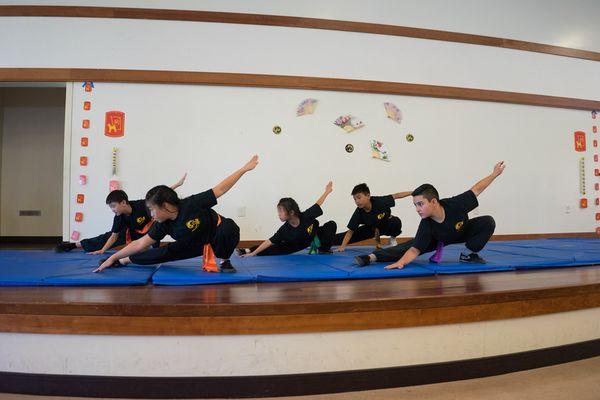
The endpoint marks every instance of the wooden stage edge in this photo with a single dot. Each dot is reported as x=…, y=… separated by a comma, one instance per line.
x=298, y=307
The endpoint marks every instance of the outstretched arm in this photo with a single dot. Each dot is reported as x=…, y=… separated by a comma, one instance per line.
x=485, y=182
x=328, y=189
x=111, y=240
x=263, y=246
x=407, y=258
x=401, y=195
x=345, y=241
x=132, y=248
x=232, y=179
x=179, y=182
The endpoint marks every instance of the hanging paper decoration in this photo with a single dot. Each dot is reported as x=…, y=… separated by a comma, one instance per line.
x=307, y=107
x=75, y=235
x=86, y=124
x=379, y=151
x=84, y=141
x=594, y=112
x=579, y=141
x=114, y=183
x=114, y=124
x=583, y=203
x=80, y=198
x=88, y=86
x=582, y=175
x=276, y=129
x=349, y=123
x=87, y=105
x=349, y=148
x=78, y=216
x=82, y=180
x=83, y=161
x=410, y=138
x=393, y=112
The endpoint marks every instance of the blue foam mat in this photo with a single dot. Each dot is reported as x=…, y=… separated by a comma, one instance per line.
x=189, y=272
x=46, y=268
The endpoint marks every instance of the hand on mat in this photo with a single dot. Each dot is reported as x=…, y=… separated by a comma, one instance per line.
x=340, y=249
x=248, y=255
x=250, y=165
x=94, y=253
x=499, y=168
x=395, y=265
x=104, y=265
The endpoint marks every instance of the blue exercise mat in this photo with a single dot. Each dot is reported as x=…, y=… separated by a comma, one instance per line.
x=189, y=272
x=345, y=261
x=44, y=268
x=47, y=268
x=299, y=267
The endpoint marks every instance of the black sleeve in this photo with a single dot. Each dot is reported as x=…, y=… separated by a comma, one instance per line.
x=388, y=201
x=423, y=236
x=205, y=199
x=354, y=221
x=278, y=237
x=117, y=224
x=466, y=201
x=313, y=212
x=157, y=231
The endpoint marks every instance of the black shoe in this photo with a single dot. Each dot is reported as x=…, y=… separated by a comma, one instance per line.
x=226, y=267
x=241, y=251
x=472, y=258
x=114, y=265
x=64, y=247
x=362, y=261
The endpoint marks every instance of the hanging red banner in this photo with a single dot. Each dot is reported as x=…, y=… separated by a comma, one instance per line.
x=114, y=124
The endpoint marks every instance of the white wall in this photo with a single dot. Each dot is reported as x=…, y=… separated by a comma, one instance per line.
x=462, y=138
x=31, y=172
x=557, y=22
x=211, y=131
x=193, y=46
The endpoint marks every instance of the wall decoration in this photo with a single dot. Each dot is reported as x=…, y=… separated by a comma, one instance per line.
x=114, y=183
x=393, y=112
x=379, y=151
x=579, y=141
x=582, y=175
x=114, y=124
x=307, y=107
x=349, y=123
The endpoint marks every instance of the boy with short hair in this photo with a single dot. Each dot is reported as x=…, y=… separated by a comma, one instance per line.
x=132, y=221
x=443, y=222
x=372, y=218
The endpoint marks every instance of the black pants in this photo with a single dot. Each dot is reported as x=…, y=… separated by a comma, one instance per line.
x=326, y=234
x=96, y=243
x=392, y=228
x=226, y=239
x=477, y=233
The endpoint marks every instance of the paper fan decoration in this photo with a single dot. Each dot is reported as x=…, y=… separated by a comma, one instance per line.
x=349, y=123
x=393, y=112
x=379, y=151
x=307, y=107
